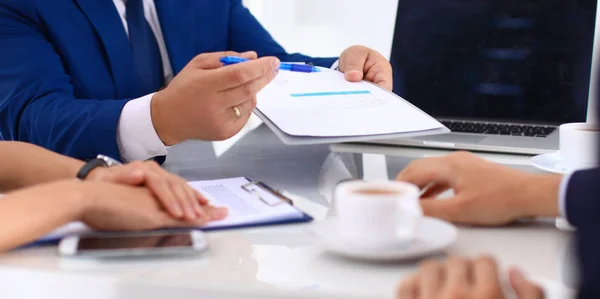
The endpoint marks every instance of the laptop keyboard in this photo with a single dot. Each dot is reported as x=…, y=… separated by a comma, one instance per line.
x=498, y=129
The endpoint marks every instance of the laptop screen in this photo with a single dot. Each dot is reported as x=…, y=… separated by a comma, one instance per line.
x=517, y=60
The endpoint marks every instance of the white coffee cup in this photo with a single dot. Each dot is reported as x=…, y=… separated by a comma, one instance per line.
x=579, y=145
x=377, y=214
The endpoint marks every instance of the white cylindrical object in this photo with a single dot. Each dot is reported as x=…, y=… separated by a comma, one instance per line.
x=579, y=145
x=377, y=214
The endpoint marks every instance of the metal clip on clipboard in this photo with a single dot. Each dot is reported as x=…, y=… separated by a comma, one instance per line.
x=253, y=188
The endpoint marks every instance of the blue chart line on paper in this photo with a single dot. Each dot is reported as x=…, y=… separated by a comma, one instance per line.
x=329, y=93
x=325, y=104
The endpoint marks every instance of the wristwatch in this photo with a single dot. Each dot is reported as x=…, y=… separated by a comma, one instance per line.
x=99, y=161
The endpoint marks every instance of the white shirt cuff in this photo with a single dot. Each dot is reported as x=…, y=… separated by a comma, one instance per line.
x=136, y=137
x=562, y=194
x=335, y=65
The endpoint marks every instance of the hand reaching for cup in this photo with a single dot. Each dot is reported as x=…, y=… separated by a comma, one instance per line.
x=486, y=193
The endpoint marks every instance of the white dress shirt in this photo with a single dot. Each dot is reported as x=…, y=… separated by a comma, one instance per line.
x=136, y=137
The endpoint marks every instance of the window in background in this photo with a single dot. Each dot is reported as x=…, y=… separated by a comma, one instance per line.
x=326, y=28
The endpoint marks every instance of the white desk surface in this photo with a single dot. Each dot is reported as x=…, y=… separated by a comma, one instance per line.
x=277, y=262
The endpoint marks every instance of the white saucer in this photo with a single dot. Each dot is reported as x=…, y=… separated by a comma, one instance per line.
x=433, y=236
x=551, y=163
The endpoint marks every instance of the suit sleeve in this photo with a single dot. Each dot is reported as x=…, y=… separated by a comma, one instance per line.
x=582, y=195
x=583, y=210
x=37, y=102
x=247, y=34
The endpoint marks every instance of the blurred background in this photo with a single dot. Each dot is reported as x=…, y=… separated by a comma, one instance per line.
x=326, y=28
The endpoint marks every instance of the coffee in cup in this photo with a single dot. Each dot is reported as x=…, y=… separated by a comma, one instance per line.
x=377, y=214
x=579, y=145
x=375, y=191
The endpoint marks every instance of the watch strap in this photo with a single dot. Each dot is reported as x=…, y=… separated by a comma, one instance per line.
x=88, y=167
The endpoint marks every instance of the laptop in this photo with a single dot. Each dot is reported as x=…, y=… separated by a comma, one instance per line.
x=501, y=75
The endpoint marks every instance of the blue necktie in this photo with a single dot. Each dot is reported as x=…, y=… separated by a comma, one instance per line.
x=146, y=54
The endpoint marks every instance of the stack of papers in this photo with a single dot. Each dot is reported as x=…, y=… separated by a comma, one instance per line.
x=323, y=107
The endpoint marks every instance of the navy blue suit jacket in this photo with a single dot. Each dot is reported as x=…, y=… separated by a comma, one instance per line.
x=66, y=67
x=583, y=211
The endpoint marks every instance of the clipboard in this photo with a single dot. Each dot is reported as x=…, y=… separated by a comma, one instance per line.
x=251, y=187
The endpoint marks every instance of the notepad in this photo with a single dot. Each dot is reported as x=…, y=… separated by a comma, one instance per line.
x=323, y=107
x=250, y=204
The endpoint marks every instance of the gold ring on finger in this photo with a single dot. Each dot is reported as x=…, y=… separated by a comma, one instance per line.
x=237, y=112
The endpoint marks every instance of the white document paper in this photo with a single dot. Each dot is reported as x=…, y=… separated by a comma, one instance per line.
x=245, y=208
x=324, y=104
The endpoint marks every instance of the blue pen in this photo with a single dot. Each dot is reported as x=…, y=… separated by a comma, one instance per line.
x=292, y=67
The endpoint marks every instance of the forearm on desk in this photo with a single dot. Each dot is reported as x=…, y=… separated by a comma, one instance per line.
x=25, y=164
x=28, y=214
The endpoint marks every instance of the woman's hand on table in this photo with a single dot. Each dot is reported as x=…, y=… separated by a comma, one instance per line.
x=175, y=195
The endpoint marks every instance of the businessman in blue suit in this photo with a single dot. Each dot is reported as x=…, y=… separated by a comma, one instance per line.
x=128, y=78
